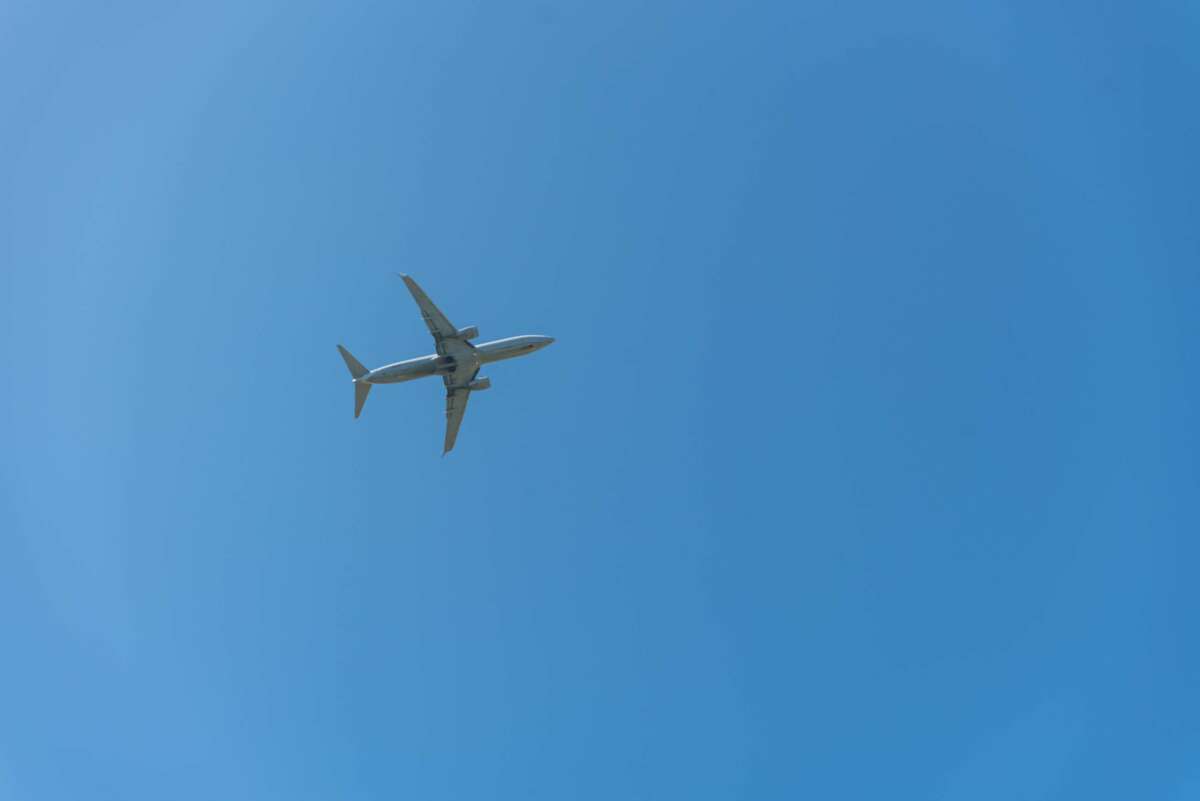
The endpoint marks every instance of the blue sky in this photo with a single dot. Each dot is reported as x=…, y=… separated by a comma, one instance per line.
x=864, y=465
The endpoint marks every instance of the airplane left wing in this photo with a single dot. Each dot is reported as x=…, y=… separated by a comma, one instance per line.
x=457, y=394
x=438, y=325
x=456, y=407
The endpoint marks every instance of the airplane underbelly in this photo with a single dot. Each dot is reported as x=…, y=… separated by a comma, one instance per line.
x=498, y=354
x=458, y=363
x=407, y=372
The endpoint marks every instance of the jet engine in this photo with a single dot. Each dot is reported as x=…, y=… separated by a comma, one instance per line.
x=479, y=383
x=470, y=332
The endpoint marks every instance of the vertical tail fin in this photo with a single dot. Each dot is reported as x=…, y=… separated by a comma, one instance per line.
x=357, y=371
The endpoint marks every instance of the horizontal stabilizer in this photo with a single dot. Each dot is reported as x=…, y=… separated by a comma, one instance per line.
x=356, y=369
x=361, y=389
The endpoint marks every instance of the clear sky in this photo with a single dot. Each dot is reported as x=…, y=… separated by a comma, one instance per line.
x=865, y=464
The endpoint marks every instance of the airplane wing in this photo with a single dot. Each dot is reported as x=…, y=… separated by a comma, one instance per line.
x=456, y=401
x=439, y=326
x=456, y=407
x=449, y=343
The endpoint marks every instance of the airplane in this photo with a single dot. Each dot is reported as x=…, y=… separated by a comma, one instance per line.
x=457, y=361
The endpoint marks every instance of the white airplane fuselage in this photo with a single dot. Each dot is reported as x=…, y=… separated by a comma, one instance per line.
x=433, y=364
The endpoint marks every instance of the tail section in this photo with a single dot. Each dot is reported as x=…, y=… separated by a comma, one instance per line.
x=357, y=371
x=361, y=390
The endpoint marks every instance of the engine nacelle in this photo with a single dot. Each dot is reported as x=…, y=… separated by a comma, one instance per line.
x=479, y=383
x=470, y=332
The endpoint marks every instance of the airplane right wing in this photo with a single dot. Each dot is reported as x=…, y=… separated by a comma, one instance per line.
x=438, y=325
